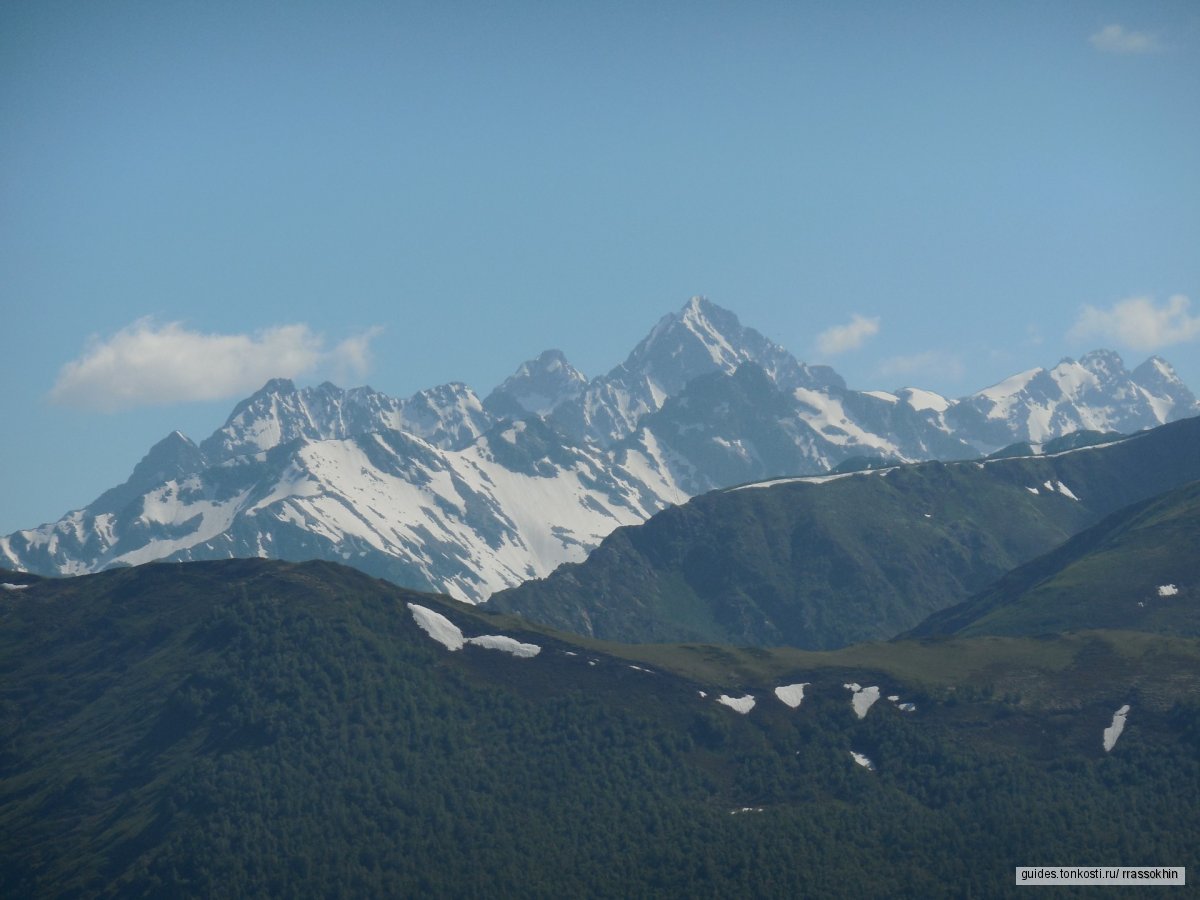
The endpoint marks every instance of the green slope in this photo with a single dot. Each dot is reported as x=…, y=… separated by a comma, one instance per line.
x=861, y=557
x=253, y=728
x=1138, y=569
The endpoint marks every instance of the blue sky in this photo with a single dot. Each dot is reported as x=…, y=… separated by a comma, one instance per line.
x=196, y=196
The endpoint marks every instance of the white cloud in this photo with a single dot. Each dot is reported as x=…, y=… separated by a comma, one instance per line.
x=1138, y=323
x=146, y=364
x=841, y=338
x=1119, y=39
x=931, y=362
x=352, y=357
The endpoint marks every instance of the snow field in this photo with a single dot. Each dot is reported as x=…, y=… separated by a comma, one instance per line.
x=791, y=694
x=451, y=637
x=863, y=760
x=864, y=698
x=1113, y=731
x=742, y=705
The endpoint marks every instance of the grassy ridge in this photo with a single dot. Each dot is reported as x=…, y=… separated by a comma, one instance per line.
x=1138, y=569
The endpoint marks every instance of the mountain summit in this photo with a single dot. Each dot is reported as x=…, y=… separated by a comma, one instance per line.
x=442, y=491
x=537, y=387
x=700, y=339
x=1095, y=393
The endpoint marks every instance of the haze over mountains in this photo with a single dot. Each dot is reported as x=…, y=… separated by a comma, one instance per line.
x=445, y=491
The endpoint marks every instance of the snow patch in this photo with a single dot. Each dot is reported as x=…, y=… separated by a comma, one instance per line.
x=506, y=644
x=1065, y=491
x=451, y=637
x=438, y=627
x=13, y=587
x=742, y=705
x=1113, y=731
x=864, y=697
x=863, y=760
x=791, y=694
x=1164, y=590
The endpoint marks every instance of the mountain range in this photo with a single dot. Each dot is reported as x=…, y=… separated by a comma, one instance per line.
x=444, y=491
x=825, y=561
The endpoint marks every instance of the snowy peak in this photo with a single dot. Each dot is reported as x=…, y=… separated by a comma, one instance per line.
x=1164, y=390
x=1095, y=393
x=702, y=337
x=1103, y=362
x=922, y=400
x=279, y=414
x=537, y=387
x=174, y=457
x=449, y=415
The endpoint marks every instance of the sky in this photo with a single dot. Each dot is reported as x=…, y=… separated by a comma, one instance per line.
x=198, y=196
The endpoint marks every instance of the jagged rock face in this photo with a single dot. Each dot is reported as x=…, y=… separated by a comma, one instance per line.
x=701, y=339
x=537, y=387
x=448, y=416
x=441, y=491
x=1097, y=393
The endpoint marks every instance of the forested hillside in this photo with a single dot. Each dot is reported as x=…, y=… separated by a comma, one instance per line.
x=259, y=728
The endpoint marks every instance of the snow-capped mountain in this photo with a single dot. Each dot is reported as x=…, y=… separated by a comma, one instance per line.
x=1095, y=393
x=512, y=505
x=441, y=491
x=700, y=339
x=537, y=387
x=448, y=416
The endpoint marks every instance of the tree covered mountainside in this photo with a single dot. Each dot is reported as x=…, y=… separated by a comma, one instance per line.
x=263, y=728
x=825, y=562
